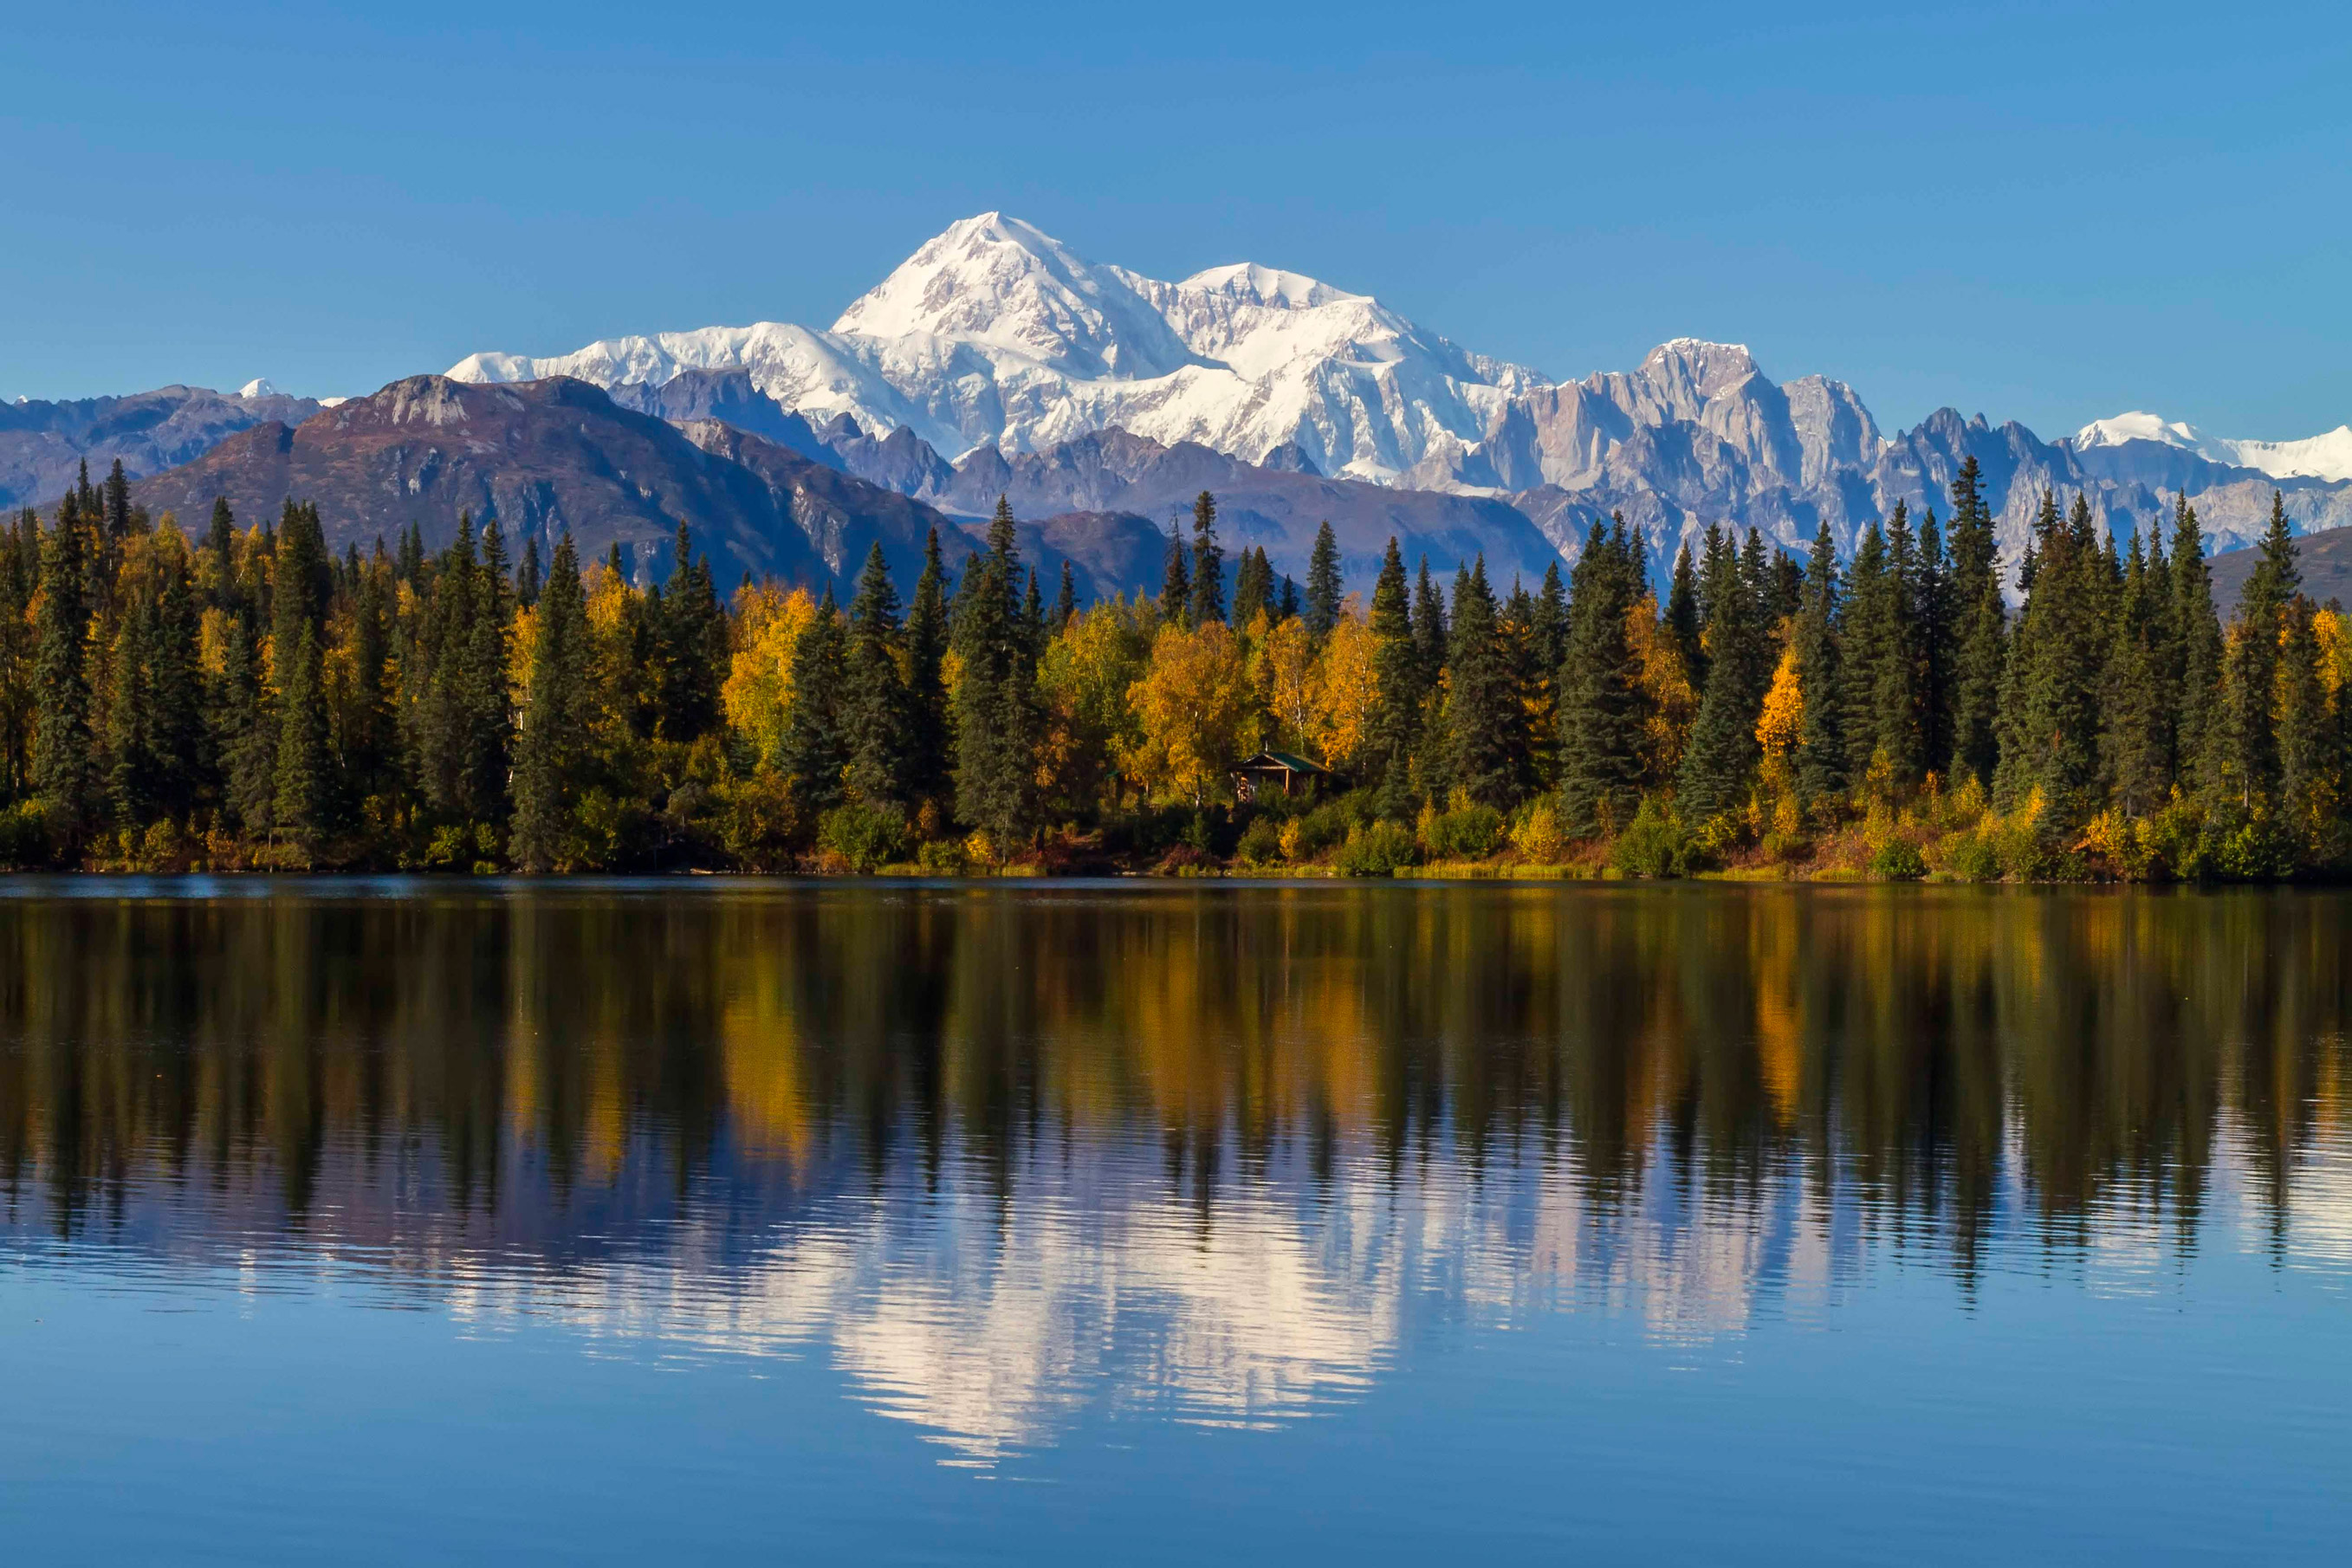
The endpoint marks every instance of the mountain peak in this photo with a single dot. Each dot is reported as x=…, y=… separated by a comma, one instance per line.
x=998, y=280
x=259, y=386
x=1247, y=283
x=2322, y=457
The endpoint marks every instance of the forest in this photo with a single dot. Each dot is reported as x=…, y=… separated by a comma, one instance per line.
x=243, y=698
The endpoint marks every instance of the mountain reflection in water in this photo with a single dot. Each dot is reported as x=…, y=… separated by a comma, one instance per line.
x=1004, y=1154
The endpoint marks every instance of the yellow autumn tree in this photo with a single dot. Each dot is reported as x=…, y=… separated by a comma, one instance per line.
x=1189, y=705
x=1085, y=677
x=1346, y=691
x=1779, y=729
x=757, y=695
x=1291, y=681
x=1672, y=701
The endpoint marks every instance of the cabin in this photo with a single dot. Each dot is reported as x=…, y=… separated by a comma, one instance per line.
x=1252, y=774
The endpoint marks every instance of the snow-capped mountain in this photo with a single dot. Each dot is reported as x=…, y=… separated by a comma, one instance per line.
x=2327, y=456
x=994, y=334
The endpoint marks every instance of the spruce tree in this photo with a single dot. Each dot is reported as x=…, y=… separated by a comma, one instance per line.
x=1721, y=756
x=246, y=733
x=2310, y=759
x=1867, y=646
x=301, y=783
x=997, y=718
x=1066, y=600
x=551, y=751
x=1324, y=586
x=1602, y=713
x=2195, y=665
x=1429, y=628
x=1176, y=585
x=527, y=577
x=1978, y=635
x=929, y=743
x=877, y=717
x=1821, y=749
x=2245, y=764
x=1207, y=563
x=1485, y=718
x=2134, y=721
x=62, y=770
x=814, y=751
x=1397, y=689
x=1683, y=619
x=1286, y=607
x=1548, y=621
x=1253, y=587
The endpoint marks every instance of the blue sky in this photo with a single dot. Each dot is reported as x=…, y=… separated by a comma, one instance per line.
x=2045, y=212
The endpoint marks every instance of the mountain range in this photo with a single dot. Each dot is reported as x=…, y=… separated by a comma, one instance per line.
x=997, y=360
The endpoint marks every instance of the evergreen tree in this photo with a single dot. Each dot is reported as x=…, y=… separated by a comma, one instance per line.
x=997, y=717
x=690, y=632
x=1548, y=621
x=552, y=750
x=1821, y=749
x=1978, y=635
x=2133, y=740
x=2310, y=756
x=1485, y=718
x=2245, y=766
x=2057, y=671
x=1722, y=753
x=1324, y=585
x=1066, y=601
x=1207, y=563
x=246, y=731
x=1396, y=680
x=2194, y=669
x=878, y=719
x=1429, y=628
x=1253, y=587
x=1602, y=712
x=814, y=751
x=1176, y=585
x=528, y=578
x=930, y=743
x=62, y=772
x=1286, y=608
x=1683, y=619
x=1868, y=645
x=300, y=810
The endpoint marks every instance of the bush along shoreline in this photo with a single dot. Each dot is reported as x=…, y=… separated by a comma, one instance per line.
x=237, y=697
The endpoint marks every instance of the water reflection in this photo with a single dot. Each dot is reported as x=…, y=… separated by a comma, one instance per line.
x=1216, y=1155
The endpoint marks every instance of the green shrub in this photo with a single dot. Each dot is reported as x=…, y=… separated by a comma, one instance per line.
x=1262, y=842
x=1898, y=861
x=942, y=857
x=1463, y=833
x=1323, y=828
x=865, y=836
x=1971, y=857
x=23, y=835
x=1377, y=850
x=1653, y=844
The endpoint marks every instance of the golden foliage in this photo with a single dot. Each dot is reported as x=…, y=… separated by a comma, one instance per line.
x=1190, y=704
x=1673, y=701
x=1348, y=690
x=757, y=695
x=1290, y=679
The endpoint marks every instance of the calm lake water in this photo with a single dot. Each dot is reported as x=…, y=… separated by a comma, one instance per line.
x=387, y=1222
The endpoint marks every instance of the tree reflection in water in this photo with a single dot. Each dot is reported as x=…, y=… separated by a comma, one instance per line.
x=1215, y=1152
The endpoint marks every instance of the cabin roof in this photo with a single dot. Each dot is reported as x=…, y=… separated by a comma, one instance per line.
x=1284, y=762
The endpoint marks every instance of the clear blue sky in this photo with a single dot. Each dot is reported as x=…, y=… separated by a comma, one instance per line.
x=2046, y=212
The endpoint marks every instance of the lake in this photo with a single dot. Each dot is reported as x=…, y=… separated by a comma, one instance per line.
x=382, y=1221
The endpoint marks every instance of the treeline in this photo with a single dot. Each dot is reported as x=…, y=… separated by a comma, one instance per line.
x=243, y=697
